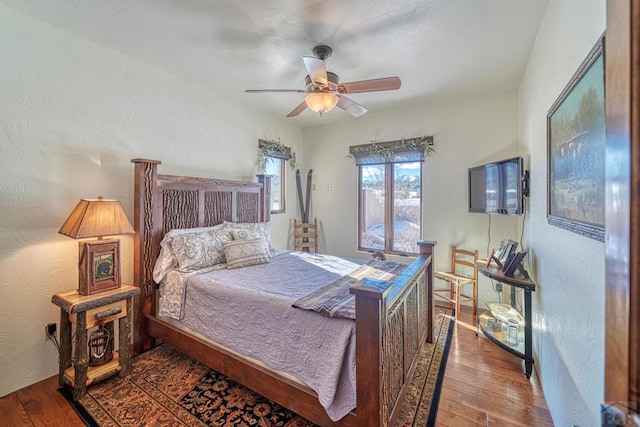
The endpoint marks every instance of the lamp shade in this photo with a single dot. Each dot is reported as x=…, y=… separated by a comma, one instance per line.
x=321, y=102
x=96, y=218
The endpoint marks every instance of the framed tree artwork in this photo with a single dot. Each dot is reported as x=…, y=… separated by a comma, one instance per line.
x=576, y=151
x=99, y=266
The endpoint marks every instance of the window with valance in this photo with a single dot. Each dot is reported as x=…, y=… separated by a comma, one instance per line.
x=273, y=156
x=390, y=194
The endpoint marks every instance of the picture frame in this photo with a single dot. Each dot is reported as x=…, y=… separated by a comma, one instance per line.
x=576, y=136
x=506, y=248
x=492, y=258
x=99, y=266
x=515, y=263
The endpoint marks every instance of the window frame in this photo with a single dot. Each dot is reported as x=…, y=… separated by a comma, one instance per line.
x=282, y=156
x=281, y=184
x=389, y=209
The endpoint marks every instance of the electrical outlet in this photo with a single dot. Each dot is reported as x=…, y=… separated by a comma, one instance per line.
x=50, y=330
x=498, y=287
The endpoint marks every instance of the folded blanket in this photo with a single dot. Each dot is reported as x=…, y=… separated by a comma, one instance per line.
x=334, y=300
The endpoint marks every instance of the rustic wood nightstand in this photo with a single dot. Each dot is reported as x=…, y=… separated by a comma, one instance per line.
x=88, y=311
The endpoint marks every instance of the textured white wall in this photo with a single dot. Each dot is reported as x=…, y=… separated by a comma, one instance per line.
x=466, y=133
x=73, y=114
x=568, y=268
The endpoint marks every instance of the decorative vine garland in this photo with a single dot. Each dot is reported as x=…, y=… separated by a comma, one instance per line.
x=275, y=149
x=387, y=151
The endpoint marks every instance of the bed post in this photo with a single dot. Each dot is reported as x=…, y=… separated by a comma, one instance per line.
x=369, y=317
x=426, y=250
x=391, y=328
x=146, y=174
x=265, y=197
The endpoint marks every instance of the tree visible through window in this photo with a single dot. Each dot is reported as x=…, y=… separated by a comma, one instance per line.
x=390, y=198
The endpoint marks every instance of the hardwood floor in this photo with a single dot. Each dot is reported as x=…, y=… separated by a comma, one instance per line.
x=483, y=386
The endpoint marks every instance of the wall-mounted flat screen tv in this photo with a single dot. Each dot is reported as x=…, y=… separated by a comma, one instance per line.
x=498, y=187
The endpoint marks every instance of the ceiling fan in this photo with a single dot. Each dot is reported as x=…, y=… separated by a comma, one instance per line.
x=326, y=92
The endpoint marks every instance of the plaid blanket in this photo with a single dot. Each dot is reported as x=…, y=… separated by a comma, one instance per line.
x=334, y=300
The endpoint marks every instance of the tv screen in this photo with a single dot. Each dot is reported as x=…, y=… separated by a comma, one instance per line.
x=477, y=190
x=497, y=187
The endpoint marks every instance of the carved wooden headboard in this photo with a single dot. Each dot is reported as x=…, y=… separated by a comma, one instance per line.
x=166, y=202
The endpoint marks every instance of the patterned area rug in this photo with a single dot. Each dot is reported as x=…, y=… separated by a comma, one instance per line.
x=167, y=388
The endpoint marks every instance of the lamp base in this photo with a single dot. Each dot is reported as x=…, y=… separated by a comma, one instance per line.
x=99, y=266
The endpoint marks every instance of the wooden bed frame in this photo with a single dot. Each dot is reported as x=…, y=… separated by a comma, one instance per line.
x=393, y=319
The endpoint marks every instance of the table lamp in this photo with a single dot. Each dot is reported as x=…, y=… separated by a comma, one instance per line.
x=99, y=260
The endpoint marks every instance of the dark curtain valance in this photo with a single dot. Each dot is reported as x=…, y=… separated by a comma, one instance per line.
x=404, y=150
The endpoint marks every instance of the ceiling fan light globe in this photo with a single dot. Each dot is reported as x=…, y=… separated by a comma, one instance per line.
x=321, y=102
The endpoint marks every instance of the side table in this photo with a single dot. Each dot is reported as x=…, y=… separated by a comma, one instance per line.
x=88, y=311
x=524, y=349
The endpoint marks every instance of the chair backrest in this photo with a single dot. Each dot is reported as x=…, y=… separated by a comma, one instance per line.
x=462, y=260
x=305, y=235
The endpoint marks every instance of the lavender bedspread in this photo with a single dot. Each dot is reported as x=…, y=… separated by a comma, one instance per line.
x=254, y=316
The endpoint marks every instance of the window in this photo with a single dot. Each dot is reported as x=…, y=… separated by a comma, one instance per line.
x=275, y=167
x=390, y=199
x=273, y=156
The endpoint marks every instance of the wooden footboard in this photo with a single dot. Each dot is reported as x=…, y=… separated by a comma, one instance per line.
x=393, y=319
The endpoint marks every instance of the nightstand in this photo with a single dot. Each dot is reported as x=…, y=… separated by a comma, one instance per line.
x=88, y=311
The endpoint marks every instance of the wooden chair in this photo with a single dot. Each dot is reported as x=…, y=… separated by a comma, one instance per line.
x=463, y=272
x=305, y=235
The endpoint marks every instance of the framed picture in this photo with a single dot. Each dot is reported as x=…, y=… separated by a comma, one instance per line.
x=99, y=266
x=516, y=264
x=576, y=151
x=507, y=248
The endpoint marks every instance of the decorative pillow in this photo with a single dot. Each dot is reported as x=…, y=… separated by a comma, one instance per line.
x=190, y=249
x=254, y=229
x=245, y=234
x=243, y=253
x=199, y=250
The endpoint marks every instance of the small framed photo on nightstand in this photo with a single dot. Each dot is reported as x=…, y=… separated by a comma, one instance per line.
x=99, y=266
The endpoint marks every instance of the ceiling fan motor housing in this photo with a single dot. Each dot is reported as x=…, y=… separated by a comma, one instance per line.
x=322, y=51
x=332, y=79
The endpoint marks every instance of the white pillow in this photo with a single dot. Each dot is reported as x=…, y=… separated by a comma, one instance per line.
x=189, y=249
x=254, y=229
x=243, y=253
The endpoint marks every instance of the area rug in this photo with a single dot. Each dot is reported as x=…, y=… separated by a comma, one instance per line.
x=167, y=388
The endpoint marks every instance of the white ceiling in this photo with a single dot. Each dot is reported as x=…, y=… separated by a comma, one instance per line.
x=438, y=48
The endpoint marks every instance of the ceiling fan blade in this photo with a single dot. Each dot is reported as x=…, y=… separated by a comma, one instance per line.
x=317, y=69
x=351, y=106
x=275, y=90
x=299, y=109
x=373, y=85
